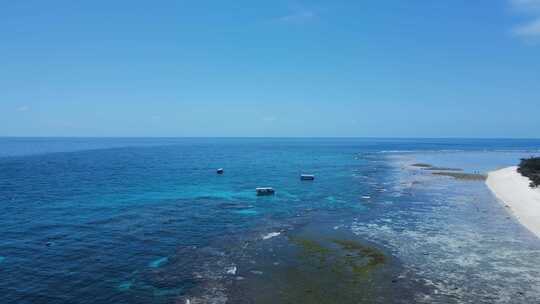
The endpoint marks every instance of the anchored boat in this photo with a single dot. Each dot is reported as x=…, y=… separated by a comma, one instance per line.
x=265, y=191
x=307, y=177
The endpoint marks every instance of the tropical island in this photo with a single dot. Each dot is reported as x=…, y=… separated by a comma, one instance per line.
x=530, y=167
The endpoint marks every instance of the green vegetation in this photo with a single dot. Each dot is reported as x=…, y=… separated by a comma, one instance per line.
x=530, y=167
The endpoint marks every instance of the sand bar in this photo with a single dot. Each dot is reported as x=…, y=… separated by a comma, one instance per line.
x=513, y=190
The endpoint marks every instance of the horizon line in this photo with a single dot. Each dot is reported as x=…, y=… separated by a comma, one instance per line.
x=264, y=137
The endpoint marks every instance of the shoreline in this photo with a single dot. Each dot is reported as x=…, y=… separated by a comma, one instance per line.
x=512, y=189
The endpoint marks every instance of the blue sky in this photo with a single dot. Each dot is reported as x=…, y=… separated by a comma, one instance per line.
x=454, y=68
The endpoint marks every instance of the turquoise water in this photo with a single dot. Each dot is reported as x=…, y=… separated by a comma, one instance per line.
x=149, y=220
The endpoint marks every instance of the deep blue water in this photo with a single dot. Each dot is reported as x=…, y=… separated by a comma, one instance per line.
x=149, y=220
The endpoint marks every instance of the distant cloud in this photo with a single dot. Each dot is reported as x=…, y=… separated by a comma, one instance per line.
x=529, y=29
x=23, y=109
x=298, y=16
x=526, y=5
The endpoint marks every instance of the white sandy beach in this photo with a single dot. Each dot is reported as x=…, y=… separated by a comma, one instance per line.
x=513, y=190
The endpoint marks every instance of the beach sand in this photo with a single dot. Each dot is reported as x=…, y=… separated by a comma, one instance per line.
x=513, y=190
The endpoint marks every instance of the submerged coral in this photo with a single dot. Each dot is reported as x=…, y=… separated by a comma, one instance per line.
x=326, y=270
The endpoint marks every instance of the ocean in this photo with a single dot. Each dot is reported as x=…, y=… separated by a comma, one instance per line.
x=148, y=220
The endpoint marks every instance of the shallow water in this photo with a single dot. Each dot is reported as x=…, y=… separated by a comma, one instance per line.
x=149, y=221
x=457, y=237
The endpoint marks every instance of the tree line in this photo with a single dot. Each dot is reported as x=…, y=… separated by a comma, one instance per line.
x=530, y=167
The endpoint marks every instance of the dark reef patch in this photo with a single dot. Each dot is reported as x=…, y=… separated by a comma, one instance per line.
x=443, y=169
x=320, y=266
x=462, y=175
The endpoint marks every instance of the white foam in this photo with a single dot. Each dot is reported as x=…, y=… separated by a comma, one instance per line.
x=232, y=270
x=271, y=235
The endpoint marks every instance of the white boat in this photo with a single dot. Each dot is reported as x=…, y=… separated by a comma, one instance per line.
x=265, y=191
x=219, y=171
x=307, y=177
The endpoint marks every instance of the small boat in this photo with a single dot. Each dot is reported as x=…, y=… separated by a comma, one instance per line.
x=265, y=191
x=219, y=171
x=307, y=177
